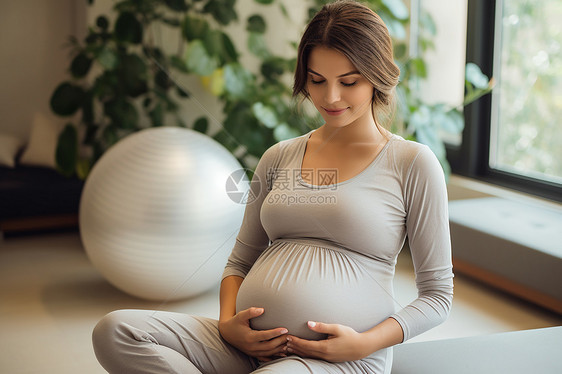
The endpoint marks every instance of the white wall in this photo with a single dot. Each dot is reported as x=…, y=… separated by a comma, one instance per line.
x=445, y=82
x=33, y=60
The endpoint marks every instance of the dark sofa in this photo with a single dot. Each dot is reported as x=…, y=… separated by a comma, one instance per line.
x=37, y=198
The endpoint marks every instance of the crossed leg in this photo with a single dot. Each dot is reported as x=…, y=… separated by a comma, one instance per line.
x=158, y=342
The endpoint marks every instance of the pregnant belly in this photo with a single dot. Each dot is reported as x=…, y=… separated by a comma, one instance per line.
x=296, y=283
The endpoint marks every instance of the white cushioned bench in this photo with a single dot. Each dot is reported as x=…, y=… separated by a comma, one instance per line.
x=511, y=245
x=529, y=351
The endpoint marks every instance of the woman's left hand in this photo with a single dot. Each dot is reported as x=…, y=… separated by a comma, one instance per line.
x=343, y=344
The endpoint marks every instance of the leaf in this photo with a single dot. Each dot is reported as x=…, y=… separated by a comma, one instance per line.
x=427, y=23
x=181, y=91
x=237, y=80
x=284, y=131
x=162, y=80
x=201, y=124
x=92, y=38
x=97, y=151
x=178, y=63
x=107, y=58
x=110, y=135
x=229, y=50
x=265, y=2
x=475, y=76
x=428, y=135
x=243, y=126
x=418, y=67
x=83, y=167
x=420, y=118
x=157, y=115
x=226, y=140
x=256, y=23
x=128, y=28
x=80, y=65
x=133, y=73
x=67, y=150
x=221, y=10
x=257, y=45
x=198, y=60
x=272, y=68
x=177, y=5
x=213, y=42
x=451, y=121
x=265, y=114
x=102, y=22
x=88, y=107
x=122, y=113
x=180, y=122
x=194, y=28
x=400, y=50
x=214, y=82
x=254, y=141
x=395, y=27
x=105, y=84
x=91, y=132
x=66, y=99
x=402, y=100
x=312, y=12
x=426, y=44
x=397, y=8
x=446, y=168
x=169, y=104
x=154, y=54
x=284, y=10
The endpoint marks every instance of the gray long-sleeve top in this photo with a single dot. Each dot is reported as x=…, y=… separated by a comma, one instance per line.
x=327, y=251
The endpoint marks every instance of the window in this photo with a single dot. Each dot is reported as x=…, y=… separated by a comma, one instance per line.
x=514, y=136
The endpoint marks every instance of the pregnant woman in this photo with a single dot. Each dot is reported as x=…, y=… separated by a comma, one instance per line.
x=308, y=286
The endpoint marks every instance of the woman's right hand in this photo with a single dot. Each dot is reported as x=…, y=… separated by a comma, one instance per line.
x=262, y=344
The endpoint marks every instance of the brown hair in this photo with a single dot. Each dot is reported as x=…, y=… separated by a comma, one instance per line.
x=360, y=34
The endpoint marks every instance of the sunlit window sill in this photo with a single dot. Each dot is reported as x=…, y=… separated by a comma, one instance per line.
x=460, y=187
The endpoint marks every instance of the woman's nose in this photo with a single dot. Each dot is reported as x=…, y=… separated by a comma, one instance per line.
x=332, y=94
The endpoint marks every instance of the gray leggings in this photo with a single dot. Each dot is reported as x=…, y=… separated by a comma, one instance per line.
x=144, y=341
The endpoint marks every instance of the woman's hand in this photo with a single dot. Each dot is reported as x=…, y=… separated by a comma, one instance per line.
x=264, y=345
x=343, y=344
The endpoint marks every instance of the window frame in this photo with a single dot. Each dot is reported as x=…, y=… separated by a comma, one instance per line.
x=471, y=157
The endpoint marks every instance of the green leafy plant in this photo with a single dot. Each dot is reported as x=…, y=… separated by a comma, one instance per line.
x=121, y=75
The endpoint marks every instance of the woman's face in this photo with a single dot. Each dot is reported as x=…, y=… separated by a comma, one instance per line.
x=338, y=91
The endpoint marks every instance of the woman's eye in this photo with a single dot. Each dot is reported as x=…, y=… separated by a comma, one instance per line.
x=345, y=84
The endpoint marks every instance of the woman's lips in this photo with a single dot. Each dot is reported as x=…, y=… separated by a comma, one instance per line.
x=335, y=112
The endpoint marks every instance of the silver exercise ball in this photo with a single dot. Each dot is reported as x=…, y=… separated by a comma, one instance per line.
x=156, y=218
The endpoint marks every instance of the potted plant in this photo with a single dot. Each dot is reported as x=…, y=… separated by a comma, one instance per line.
x=120, y=75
